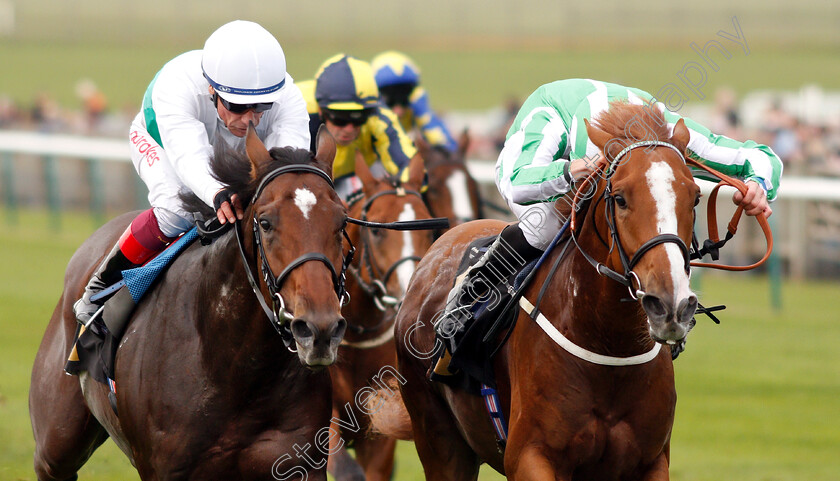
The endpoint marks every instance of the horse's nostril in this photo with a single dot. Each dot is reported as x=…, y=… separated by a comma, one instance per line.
x=654, y=307
x=687, y=308
x=338, y=330
x=300, y=329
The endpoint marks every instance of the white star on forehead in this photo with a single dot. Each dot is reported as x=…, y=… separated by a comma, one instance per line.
x=305, y=199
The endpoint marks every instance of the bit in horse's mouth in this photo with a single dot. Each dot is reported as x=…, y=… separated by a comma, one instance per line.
x=665, y=341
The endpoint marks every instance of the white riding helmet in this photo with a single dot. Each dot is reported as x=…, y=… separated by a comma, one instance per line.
x=244, y=63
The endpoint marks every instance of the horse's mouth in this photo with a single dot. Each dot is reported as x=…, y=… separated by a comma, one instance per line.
x=671, y=340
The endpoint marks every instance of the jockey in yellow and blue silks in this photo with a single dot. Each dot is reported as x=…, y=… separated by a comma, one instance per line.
x=398, y=79
x=348, y=104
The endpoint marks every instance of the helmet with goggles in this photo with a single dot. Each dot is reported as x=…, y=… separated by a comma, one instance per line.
x=397, y=76
x=244, y=64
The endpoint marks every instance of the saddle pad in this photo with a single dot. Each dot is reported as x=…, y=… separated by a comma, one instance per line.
x=465, y=360
x=95, y=348
x=138, y=280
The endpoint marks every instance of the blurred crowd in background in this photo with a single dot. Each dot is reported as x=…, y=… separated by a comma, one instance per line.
x=802, y=127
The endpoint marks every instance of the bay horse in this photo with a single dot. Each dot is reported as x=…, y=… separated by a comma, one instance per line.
x=452, y=192
x=606, y=411
x=206, y=389
x=382, y=268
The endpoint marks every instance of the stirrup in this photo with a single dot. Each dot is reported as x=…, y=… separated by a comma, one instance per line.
x=86, y=323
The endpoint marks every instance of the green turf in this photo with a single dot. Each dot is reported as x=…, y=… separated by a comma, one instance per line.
x=456, y=79
x=758, y=395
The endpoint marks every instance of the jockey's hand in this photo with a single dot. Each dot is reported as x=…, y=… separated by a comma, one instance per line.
x=227, y=205
x=581, y=168
x=755, y=201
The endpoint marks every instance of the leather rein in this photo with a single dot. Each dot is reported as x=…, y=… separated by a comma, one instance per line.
x=376, y=289
x=277, y=314
x=711, y=246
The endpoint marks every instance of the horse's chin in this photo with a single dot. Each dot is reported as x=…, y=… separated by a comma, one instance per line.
x=317, y=361
x=671, y=333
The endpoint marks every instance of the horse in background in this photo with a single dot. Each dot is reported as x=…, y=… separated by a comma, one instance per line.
x=206, y=388
x=601, y=407
x=377, y=280
x=452, y=192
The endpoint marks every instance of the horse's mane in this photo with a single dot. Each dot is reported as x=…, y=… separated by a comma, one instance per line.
x=624, y=120
x=232, y=168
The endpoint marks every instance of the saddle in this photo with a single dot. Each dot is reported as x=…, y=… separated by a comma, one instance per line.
x=464, y=359
x=95, y=349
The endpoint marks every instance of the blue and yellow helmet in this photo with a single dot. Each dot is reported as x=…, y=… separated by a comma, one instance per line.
x=392, y=68
x=346, y=83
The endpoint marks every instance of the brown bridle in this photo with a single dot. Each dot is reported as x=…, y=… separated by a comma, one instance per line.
x=732, y=228
x=714, y=242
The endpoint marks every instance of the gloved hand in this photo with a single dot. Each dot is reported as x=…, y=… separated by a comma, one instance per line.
x=227, y=206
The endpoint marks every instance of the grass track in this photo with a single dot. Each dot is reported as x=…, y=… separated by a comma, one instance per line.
x=758, y=395
x=456, y=79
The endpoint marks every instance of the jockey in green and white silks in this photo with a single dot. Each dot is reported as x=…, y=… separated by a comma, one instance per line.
x=535, y=166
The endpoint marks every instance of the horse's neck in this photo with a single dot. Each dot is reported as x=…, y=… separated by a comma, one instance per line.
x=587, y=307
x=232, y=324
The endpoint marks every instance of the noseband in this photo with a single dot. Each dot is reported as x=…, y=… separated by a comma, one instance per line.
x=376, y=289
x=278, y=315
x=629, y=278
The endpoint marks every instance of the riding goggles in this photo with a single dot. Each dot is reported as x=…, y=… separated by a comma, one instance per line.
x=341, y=118
x=242, y=108
x=397, y=95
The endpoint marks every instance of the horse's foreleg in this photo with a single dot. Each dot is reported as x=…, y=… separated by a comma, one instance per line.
x=66, y=433
x=343, y=467
x=376, y=455
x=658, y=470
x=443, y=451
x=532, y=464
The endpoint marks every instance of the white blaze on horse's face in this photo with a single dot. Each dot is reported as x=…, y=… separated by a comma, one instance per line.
x=660, y=180
x=305, y=199
x=406, y=269
x=458, y=189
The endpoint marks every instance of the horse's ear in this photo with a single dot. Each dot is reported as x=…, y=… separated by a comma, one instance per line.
x=463, y=144
x=609, y=145
x=416, y=171
x=257, y=153
x=325, y=149
x=681, y=136
x=364, y=174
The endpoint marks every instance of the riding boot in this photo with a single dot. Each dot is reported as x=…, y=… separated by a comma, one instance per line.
x=134, y=248
x=106, y=274
x=488, y=280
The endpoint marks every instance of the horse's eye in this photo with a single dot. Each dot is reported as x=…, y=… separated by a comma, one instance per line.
x=697, y=201
x=376, y=232
x=619, y=201
x=265, y=225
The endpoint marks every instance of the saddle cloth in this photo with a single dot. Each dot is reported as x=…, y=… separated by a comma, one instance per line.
x=96, y=345
x=465, y=360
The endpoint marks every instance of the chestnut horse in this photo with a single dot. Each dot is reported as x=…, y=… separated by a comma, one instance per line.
x=383, y=265
x=206, y=389
x=452, y=192
x=601, y=407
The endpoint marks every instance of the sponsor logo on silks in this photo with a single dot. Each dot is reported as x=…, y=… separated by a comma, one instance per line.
x=233, y=90
x=145, y=147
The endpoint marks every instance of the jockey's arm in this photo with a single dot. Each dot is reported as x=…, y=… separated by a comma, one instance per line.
x=754, y=163
x=429, y=123
x=391, y=143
